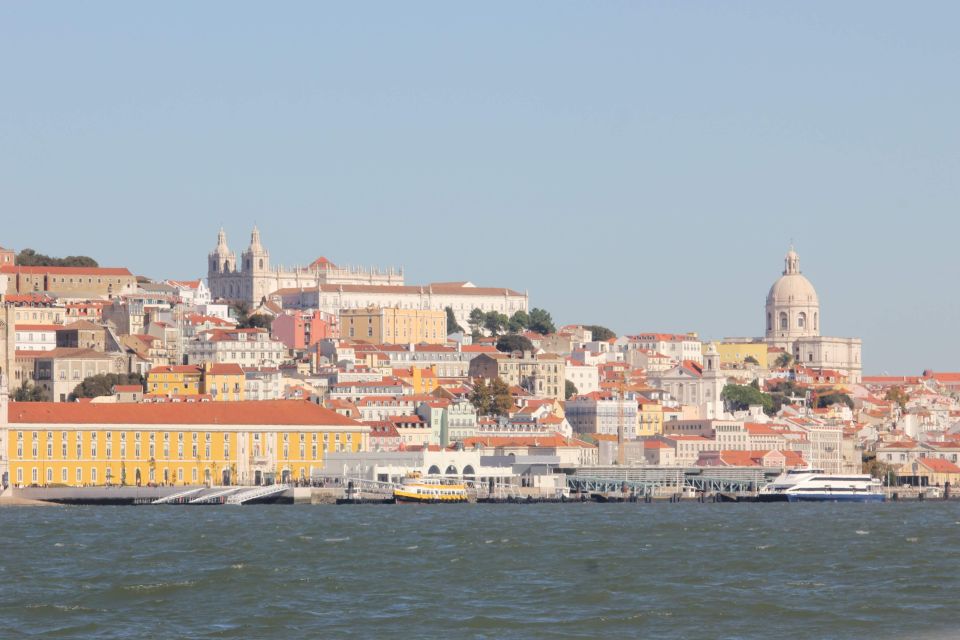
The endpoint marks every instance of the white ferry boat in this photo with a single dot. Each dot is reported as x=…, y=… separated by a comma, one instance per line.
x=813, y=485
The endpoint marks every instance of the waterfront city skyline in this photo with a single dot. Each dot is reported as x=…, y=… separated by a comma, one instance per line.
x=644, y=168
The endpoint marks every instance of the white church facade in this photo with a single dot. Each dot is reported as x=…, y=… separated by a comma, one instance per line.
x=793, y=324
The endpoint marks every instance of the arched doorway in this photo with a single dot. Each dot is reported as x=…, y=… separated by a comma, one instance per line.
x=434, y=470
x=166, y=476
x=469, y=472
x=226, y=477
x=451, y=471
x=136, y=475
x=285, y=476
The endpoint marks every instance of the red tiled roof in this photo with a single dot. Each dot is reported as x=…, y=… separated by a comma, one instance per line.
x=68, y=271
x=262, y=412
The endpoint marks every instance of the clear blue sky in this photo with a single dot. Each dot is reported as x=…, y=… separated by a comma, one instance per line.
x=639, y=165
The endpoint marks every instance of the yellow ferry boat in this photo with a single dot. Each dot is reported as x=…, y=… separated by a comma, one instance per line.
x=430, y=491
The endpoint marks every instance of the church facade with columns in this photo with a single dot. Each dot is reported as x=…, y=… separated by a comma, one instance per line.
x=793, y=324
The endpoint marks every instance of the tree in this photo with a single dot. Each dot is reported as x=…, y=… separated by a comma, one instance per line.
x=739, y=397
x=830, y=399
x=480, y=397
x=495, y=322
x=514, y=342
x=28, y=393
x=256, y=321
x=477, y=316
x=491, y=398
x=500, y=400
x=240, y=311
x=541, y=322
x=452, y=325
x=102, y=384
x=783, y=360
x=898, y=395
x=751, y=360
x=30, y=258
x=569, y=390
x=600, y=333
x=519, y=321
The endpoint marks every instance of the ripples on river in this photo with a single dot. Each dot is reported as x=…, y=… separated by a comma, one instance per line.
x=482, y=571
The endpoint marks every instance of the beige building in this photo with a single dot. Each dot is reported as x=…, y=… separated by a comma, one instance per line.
x=59, y=371
x=66, y=281
x=390, y=325
x=542, y=375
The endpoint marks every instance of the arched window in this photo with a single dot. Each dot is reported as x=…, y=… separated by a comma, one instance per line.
x=815, y=321
x=802, y=320
x=261, y=263
x=784, y=323
x=769, y=322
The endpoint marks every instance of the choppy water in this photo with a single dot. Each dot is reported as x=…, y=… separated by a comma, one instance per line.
x=482, y=571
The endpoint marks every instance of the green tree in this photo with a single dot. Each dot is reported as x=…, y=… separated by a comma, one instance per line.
x=569, y=390
x=477, y=317
x=500, y=400
x=491, y=398
x=256, y=321
x=739, y=397
x=513, y=342
x=480, y=396
x=783, y=360
x=751, y=360
x=30, y=258
x=102, y=384
x=541, y=322
x=830, y=399
x=28, y=393
x=519, y=321
x=452, y=325
x=600, y=333
x=898, y=395
x=495, y=322
x=240, y=310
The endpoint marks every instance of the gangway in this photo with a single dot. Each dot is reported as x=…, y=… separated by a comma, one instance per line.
x=179, y=497
x=257, y=493
x=217, y=497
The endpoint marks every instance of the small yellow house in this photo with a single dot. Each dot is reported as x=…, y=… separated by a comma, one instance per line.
x=180, y=380
x=223, y=382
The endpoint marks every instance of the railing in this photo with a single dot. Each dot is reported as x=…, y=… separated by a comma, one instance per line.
x=216, y=497
x=259, y=492
x=174, y=498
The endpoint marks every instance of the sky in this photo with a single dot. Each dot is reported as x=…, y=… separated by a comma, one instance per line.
x=639, y=165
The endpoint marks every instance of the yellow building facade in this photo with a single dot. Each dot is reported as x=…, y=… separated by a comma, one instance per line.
x=389, y=325
x=649, y=419
x=735, y=352
x=183, y=380
x=186, y=443
x=223, y=382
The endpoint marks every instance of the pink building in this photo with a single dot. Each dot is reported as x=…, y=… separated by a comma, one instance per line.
x=303, y=329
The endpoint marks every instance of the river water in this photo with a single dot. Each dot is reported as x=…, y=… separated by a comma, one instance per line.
x=482, y=571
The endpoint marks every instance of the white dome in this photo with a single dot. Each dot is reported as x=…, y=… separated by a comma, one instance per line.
x=790, y=289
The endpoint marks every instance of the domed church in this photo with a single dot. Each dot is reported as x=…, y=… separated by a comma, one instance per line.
x=793, y=324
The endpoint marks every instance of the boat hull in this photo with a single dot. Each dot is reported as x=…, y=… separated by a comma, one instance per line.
x=808, y=497
x=400, y=499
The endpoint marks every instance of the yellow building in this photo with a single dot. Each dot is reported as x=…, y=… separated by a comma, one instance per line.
x=183, y=380
x=182, y=443
x=649, y=419
x=389, y=325
x=735, y=352
x=223, y=382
